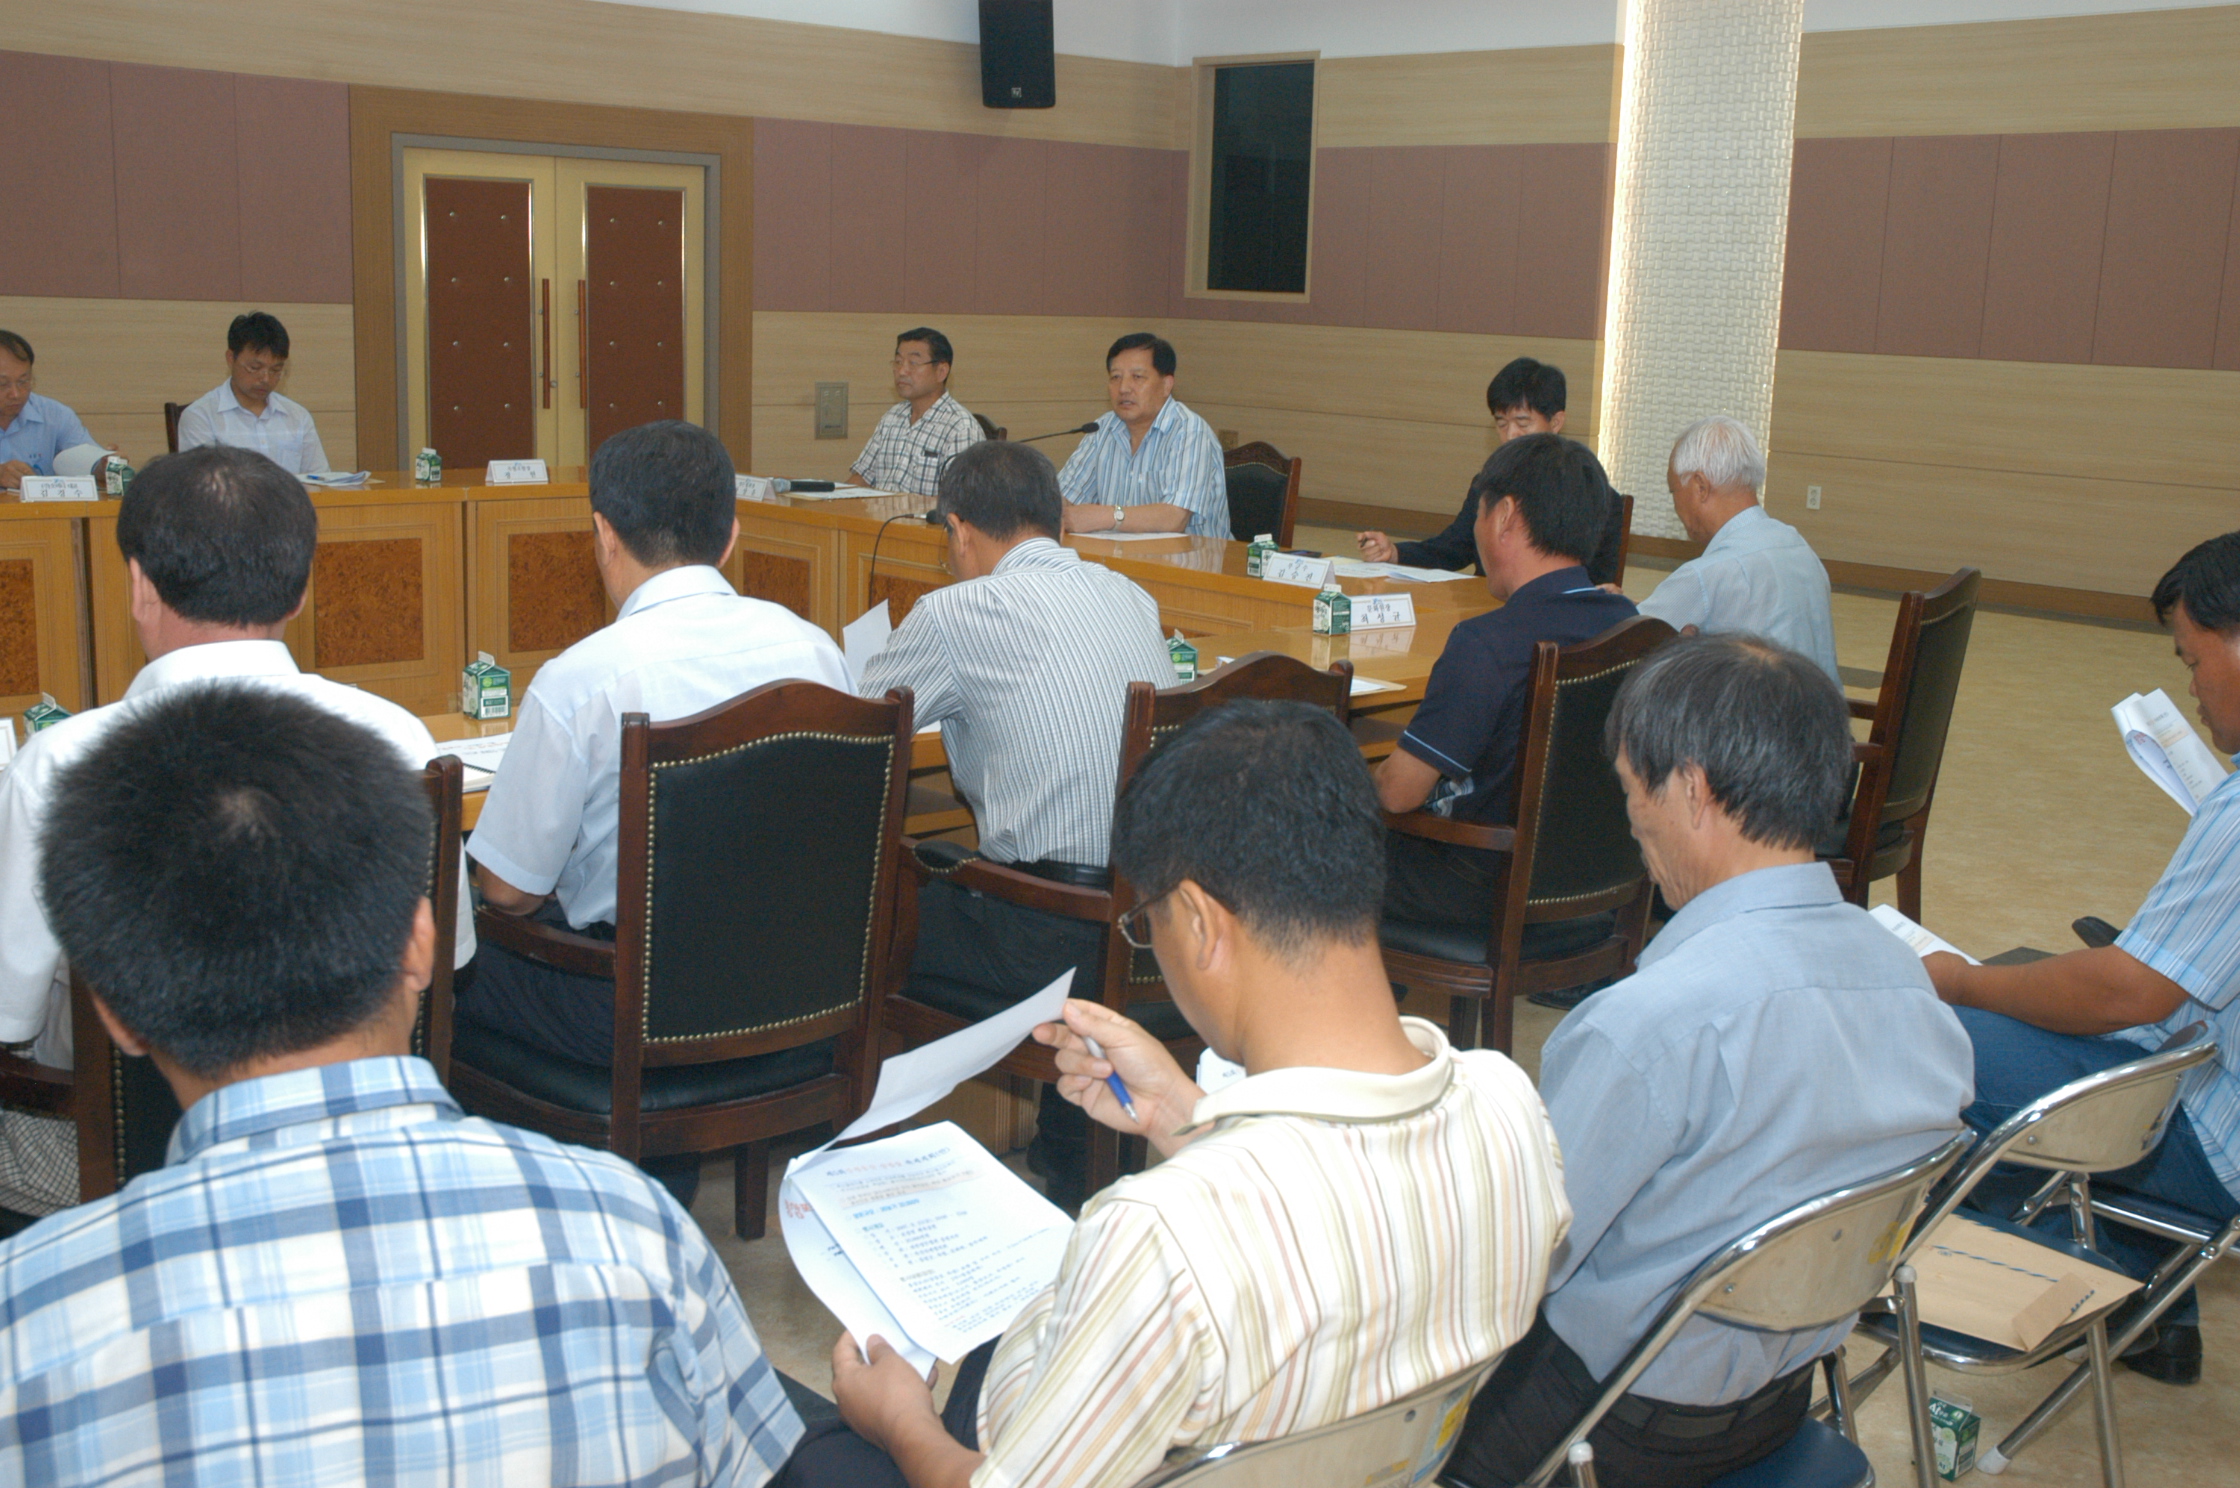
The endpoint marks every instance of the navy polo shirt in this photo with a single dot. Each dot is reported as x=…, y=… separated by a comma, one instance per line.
x=1472, y=717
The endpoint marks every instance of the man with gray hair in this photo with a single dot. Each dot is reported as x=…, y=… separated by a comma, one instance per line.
x=1743, y=1069
x=1757, y=576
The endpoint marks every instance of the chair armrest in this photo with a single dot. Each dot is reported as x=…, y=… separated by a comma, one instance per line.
x=1463, y=834
x=1861, y=707
x=1869, y=754
x=38, y=1087
x=533, y=940
x=928, y=860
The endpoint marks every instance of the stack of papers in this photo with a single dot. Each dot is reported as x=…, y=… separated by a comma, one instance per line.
x=1924, y=942
x=338, y=478
x=2166, y=749
x=837, y=493
x=480, y=756
x=1361, y=568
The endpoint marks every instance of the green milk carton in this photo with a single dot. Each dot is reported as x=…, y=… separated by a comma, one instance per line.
x=116, y=476
x=1185, y=658
x=1953, y=1427
x=1256, y=554
x=1333, y=611
x=485, y=688
x=45, y=713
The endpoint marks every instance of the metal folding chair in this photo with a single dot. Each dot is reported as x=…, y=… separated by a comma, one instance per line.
x=1809, y=1268
x=2105, y=1121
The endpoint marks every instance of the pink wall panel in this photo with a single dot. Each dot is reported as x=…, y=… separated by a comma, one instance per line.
x=1405, y=209
x=292, y=139
x=1937, y=245
x=792, y=215
x=1831, y=284
x=868, y=253
x=2169, y=228
x=1563, y=241
x=1008, y=247
x=178, y=187
x=1337, y=278
x=1078, y=222
x=1141, y=228
x=2228, y=305
x=2048, y=222
x=58, y=234
x=1478, y=238
x=940, y=220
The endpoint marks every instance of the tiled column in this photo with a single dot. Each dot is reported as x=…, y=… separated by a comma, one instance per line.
x=1705, y=128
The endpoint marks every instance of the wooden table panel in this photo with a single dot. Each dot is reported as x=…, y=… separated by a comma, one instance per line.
x=534, y=589
x=383, y=610
x=42, y=646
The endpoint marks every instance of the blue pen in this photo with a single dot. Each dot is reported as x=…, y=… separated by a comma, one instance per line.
x=1119, y=1088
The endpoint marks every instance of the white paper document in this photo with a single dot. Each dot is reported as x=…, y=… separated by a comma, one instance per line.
x=339, y=478
x=480, y=756
x=2166, y=749
x=1922, y=940
x=837, y=493
x=1133, y=536
x=912, y=1081
x=863, y=638
x=1362, y=568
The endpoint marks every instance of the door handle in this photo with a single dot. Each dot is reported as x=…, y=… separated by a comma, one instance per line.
x=544, y=315
x=583, y=344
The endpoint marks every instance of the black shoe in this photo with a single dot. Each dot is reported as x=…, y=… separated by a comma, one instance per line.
x=2171, y=1354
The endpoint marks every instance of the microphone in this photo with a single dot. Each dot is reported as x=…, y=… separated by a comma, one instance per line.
x=1087, y=428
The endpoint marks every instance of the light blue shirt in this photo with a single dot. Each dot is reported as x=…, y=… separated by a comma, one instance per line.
x=42, y=430
x=1179, y=462
x=1776, y=1043
x=1757, y=576
x=284, y=432
x=2189, y=930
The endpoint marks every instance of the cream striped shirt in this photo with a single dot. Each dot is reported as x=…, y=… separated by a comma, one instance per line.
x=1335, y=1241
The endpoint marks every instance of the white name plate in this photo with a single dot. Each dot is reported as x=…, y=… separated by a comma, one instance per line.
x=60, y=488
x=516, y=473
x=755, y=487
x=1292, y=568
x=1383, y=611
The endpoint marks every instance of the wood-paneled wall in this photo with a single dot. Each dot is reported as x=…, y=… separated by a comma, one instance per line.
x=117, y=362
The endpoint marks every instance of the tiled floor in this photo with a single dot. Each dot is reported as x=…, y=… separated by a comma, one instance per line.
x=2040, y=817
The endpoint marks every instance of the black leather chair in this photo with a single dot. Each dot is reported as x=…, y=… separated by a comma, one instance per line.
x=1263, y=491
x=928, y=1008
x=171, y=412
x=1883, y=832
x=754, y=938
x=1570, y=901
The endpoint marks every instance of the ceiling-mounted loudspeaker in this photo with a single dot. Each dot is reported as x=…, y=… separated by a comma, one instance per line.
x=1018, y=61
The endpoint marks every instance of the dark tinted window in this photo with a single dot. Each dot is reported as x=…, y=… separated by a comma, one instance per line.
x=1263, y=158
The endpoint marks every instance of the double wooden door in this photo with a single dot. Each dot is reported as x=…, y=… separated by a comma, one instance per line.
x=550, y=301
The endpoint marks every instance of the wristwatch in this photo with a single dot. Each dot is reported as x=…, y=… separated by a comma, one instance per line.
x=1119, y=515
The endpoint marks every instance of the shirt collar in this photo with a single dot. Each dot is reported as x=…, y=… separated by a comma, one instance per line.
x=1736, y=527
x=212, y=661
x=1335, y=1094
x=1035, y=552
x=675, y=583
x=264, y=1107
x=931, y=409
x=1554, y=585
x=1789, y=886
x=30, y=412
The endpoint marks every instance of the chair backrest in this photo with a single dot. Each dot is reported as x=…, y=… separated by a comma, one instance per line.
x=758, y=847
x=1575, y=852
x=171, y=412
x=1928, y=647
x=2108, y=1119
x=1625, y=537
x=1394, y=1446
x=990, y=427
x=1802, y=1270
x=1263, y=491
x=431, y=1031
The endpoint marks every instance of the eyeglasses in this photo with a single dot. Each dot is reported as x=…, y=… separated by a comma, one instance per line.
x=1135, y=925
x=910, y=364
x=23, y=384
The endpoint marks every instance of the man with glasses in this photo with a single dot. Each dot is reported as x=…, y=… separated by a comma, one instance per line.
x=919, y=435
x=247, y=408
x=33, y=429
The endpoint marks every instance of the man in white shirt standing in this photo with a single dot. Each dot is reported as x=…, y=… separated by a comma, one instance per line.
x=919, y=435
x=217, y=543
x=1757, y=576
x=1152, y=465
x=247, y=408
x=663, y=518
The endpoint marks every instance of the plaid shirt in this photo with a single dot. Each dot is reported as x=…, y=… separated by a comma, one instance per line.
x=905, y=456
x=340, y=1277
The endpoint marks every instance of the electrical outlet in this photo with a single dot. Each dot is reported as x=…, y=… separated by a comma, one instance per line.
x=1812, y=498
x=832, y=410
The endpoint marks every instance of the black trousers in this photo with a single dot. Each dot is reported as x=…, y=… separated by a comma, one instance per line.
x=1541, y=1389
x=830, y=1455
x=1438, y=883
x=556, y=1011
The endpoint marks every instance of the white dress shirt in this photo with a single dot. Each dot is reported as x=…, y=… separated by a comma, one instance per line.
x=1757, y=576
x=34, y=981
x=683, y=642
x=284, y=431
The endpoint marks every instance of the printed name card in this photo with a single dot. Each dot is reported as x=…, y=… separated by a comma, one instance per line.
x=517, y=473
x=1383, y=611
x=1294, y=568
x=60, y=488
x=755, y=487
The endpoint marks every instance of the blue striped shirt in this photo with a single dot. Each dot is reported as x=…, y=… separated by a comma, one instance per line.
x=42, y=429
x=2189, y=930
x=339, y=1277
x=1179, y=462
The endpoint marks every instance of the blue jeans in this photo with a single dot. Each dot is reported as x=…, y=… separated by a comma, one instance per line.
x=2015, y=1064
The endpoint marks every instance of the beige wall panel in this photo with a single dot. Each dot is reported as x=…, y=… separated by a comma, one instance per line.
x=2109, y=423
x=1420, y=468
x=1529, y=96
x=2115, y=537
x=585, y=52
x=2168, y=69
x=1002, y=360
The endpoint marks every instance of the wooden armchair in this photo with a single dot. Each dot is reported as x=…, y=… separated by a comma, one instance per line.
x=1129, y=981
x=1883, y=832
x=1263, y=491
x=754, y=938
x=990, y=428
x=171, y=412
x=1571, y=897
